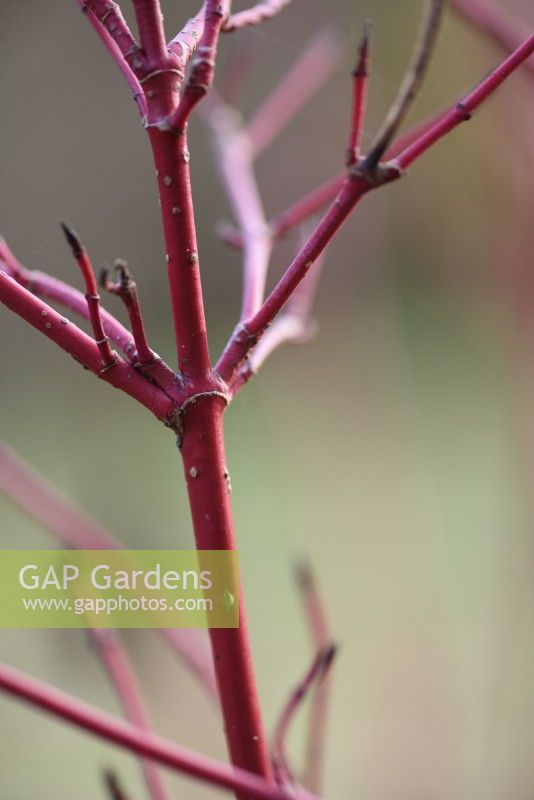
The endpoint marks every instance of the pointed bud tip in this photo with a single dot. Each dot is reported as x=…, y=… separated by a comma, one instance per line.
x=330, y=653
x=362, y=56
x=73, y=239
x=304, y=574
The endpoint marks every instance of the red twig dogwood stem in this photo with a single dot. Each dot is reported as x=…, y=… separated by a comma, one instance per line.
x=169, y=81
x=73, y=527
x=70, y=709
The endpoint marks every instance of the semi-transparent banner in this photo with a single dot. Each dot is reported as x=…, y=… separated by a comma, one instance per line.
x=119, y=589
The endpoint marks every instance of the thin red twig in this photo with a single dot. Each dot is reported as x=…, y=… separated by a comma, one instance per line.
x=319, y=669
x=264, y=10
x=292, y=326
x=315, y=613
x=126, y=289
x=464, y=109
x=74, y=527
x=119, y=668
x=43, y=285
x=203, y=64
x=93, y=298
x=354, y=187
x=151, y=34
x=67, y=296
x=360, y=79
x=116, y=54
x=107, y=727
x=411, y=83
x=110, y=17
x=74, y=341
x=186, y=41
x=234, y=161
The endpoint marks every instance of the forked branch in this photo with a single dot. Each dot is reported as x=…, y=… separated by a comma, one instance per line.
x=91, y=294
x=319, y=669
x=107, y=727
x=410, y=85
x=490, y=18
x=320, y=634
x=356, y=184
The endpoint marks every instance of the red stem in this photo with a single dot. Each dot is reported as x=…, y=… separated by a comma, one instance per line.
x=119, y=668
x=208, y=486
x=51, y=288
x=93, y=298
x=203, y=64
x=318, y=670
x=75, y=528
x=74, y=341
x=125, y=735
x=126, y=289
x=360, y=77
x=464, y=109
x=171, y=158
x=315, y=612
x=352, y=190
x=199, y=420
x=110, y=17
x=186, y=41
x=115, y=52
x=246, y=335
x=234, y=160
x=151, y=34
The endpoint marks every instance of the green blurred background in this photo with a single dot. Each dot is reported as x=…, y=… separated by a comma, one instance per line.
x=394, y=450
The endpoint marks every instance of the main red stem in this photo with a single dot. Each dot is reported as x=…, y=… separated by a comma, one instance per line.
x=201, y=439
x=207, y=480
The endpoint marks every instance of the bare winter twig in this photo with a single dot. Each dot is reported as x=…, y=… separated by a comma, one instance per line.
x=318, y=670
x=410, y=85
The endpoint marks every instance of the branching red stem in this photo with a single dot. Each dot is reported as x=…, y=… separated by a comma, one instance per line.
x=126, y=289
x=186, y=41
x=353, y=188
x=123, y=734
x=109, y=16
x=490, y=18
x=74, y=527
x=292, y=326
x=114, y=50
x=315, y=612
x=464, y=109
x=411, y=82
x=43, y=285
x=93, y=298
x=74, y=341
x=360, y=78
x=321, y=664
x=234, y=161
x=203, y=64
x=151, y=34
